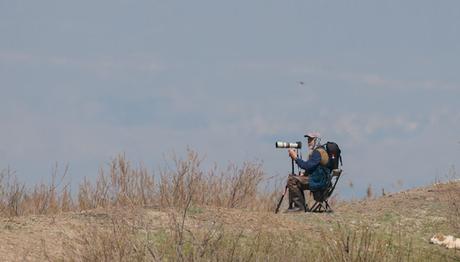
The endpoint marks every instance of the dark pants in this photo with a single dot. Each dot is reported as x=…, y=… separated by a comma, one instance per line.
x=296, y=185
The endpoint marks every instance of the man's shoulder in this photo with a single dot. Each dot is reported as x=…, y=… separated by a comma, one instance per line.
x=315, y=153
x=319, y=150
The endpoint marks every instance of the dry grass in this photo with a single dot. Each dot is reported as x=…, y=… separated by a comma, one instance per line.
x=193, y=228
x=236, y=187
x=364, y=244
x=44, y=198
x=122, y=185
x=449, y=194
x=120, y=238
x=131, y=238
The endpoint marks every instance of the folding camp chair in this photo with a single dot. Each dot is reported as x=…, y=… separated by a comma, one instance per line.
x=321, y=196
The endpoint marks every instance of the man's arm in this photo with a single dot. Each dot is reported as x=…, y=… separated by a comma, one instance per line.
x=311, y=164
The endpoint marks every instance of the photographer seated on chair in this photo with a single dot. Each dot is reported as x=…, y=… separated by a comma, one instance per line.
x=316, y=173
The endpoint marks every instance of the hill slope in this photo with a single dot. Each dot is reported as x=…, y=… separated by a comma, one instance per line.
x=392, y=227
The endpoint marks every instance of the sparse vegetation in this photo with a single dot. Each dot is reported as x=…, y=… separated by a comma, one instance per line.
x=186, y=213
x=450, y=196
x=44, y=198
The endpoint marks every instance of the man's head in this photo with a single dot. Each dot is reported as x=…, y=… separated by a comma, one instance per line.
x=313, y=139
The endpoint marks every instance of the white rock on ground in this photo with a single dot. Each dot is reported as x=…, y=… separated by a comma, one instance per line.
x=446, y=241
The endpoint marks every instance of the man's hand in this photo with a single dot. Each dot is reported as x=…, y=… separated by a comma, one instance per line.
x=292, y=154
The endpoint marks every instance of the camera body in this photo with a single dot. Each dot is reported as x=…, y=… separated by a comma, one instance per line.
x=282, y=144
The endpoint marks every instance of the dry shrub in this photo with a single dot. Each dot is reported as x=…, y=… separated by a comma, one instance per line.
x=129, y=238
x=184, y=182
x=44, y=198
x=52, y=197
x=234, y=188
x=12, y=194
x=243, y=185
x=121, y=185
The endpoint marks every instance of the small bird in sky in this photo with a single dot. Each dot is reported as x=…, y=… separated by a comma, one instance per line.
x=301, y=83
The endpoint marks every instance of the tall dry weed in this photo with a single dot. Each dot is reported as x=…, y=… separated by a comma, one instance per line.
x=12, y=194
x=120, y=185
x=243, y=185
x=235, y=187
x=45, y=198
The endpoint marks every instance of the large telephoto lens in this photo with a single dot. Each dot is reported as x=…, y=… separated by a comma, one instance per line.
x=281, y=144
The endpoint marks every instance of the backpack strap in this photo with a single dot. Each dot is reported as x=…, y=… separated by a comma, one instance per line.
x=324, y=156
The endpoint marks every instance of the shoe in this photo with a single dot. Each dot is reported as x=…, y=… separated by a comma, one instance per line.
x=294, y=210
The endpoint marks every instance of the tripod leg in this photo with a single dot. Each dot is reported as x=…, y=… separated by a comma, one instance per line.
x=281, y=200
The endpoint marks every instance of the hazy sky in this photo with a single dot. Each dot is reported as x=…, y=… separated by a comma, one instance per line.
x=82, y=81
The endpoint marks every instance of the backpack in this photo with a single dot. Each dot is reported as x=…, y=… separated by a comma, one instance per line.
x=334, y=153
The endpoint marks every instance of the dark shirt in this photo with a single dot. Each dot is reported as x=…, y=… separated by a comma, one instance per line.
x=311, y=164
x=318, y=175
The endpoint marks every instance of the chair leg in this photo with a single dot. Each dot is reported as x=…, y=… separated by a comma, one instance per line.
x=313, y=207
x=321, y=207
x=328, y=207
x=318, y=207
